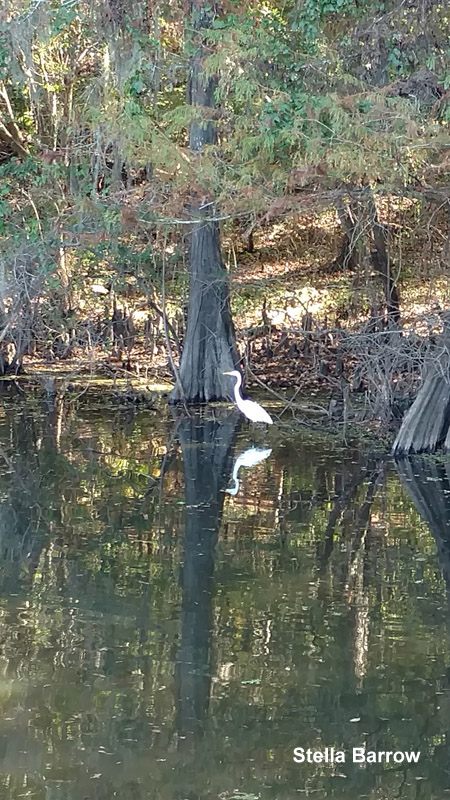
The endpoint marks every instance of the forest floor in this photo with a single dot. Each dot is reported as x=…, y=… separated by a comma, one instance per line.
x=290, y=299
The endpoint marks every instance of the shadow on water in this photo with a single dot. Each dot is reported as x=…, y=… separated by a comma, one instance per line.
x=163, y=637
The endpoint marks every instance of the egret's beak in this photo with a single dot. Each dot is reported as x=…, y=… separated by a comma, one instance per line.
x=227, y=373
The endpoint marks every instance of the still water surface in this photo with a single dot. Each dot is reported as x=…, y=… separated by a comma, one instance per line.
x=162, y=638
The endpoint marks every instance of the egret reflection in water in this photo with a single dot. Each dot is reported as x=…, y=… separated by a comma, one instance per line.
x=248, y=458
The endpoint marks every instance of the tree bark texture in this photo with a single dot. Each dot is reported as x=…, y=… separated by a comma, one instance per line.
x=382, y=263
x=210, y=346
x=426, y=425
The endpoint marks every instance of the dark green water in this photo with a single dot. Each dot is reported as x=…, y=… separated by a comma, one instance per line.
x=160, y=638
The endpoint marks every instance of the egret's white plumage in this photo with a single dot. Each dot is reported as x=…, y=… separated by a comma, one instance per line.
x=248, y=458
x=253, y=411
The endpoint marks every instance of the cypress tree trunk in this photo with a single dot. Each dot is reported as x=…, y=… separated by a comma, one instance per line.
x=427, y=423
x=209, y=347
x=382, y=263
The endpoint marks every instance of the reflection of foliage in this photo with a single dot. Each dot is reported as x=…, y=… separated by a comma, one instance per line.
x=306, y=639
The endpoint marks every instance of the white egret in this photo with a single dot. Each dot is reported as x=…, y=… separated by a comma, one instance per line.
x=248, y=458
x=253, y=411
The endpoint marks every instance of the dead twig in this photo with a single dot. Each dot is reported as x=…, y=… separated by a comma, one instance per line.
x=289, y=403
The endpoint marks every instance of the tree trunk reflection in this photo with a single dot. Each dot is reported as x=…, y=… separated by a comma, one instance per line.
x=208, y=444
x=427, y=483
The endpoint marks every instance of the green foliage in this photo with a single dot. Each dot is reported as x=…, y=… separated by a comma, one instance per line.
x=294, y=86
x=311, y=98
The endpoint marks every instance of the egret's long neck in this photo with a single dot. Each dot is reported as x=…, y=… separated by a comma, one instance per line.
x=237, y=386
x=234, y=490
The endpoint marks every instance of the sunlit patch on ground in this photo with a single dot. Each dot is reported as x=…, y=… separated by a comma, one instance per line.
x=291, y=279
